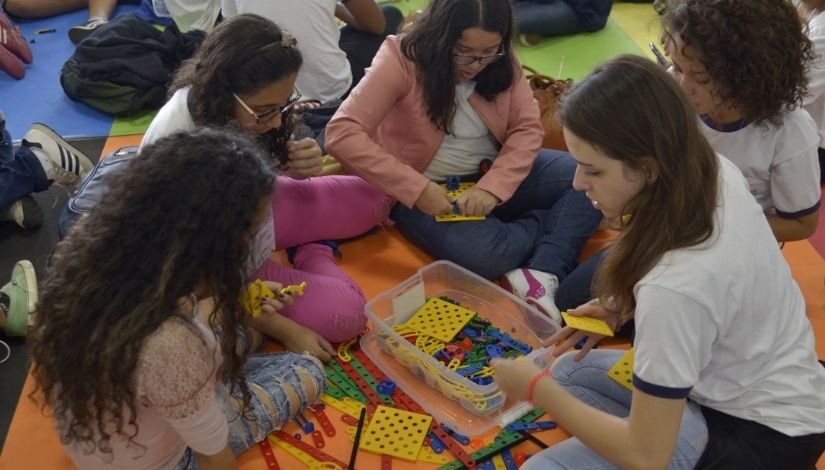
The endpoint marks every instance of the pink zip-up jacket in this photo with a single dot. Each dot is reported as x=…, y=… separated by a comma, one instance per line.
x=382, y=132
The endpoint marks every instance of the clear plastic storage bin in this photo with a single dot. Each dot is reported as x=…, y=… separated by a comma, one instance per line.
x=452, y=399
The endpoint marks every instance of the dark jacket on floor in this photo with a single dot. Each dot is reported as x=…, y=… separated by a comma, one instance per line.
x=126, y=65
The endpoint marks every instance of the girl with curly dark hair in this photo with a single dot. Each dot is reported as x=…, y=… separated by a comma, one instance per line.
x=437, y=102
x=744, y=66
x=724, y=372
x=244, y=75
x=126, y=353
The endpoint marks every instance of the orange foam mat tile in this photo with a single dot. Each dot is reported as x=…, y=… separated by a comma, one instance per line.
x=377, y=262
x=801, y=253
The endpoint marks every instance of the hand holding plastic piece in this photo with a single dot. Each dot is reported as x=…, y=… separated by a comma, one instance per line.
x=476, y=201
x=434, y=200
x=305, y=159
x=572, y=336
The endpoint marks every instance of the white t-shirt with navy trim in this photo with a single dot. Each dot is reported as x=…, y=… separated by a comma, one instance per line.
x=724, y=324
x=780, y=163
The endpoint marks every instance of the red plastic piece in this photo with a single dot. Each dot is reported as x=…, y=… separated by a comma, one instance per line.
x=324, y=421
x=349, y=420
x=520, y=457
x=318, y=439
x=269, y=456
x=312, y=451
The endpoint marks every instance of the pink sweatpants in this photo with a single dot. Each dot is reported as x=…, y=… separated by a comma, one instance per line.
x=323, y=208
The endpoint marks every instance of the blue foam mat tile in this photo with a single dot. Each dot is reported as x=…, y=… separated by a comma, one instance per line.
x=38, y=97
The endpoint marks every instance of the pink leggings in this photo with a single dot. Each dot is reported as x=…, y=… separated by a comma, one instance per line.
x=323, y=208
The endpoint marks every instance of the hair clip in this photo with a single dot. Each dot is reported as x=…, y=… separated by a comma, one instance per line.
x=288, y=40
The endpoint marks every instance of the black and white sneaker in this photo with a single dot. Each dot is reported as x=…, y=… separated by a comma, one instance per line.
x=25, y=212
x=82, y=31
x=69, y=164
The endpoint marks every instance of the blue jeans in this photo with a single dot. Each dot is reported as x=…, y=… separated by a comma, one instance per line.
x=588, y=381
x=20, y=172
x=543, y=226
x=553, y=18
x=575, y=289
x=269, y=376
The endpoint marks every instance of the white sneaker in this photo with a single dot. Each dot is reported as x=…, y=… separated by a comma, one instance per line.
x=69, y=164
x=25, y=212
x=537, y=288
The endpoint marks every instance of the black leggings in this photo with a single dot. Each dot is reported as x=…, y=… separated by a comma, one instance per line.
x=361, y=47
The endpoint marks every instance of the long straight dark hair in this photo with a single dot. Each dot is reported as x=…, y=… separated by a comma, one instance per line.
x=632, y=110
x=431, y=42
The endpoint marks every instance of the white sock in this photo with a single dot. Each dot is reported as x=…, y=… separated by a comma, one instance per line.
x=45, y=162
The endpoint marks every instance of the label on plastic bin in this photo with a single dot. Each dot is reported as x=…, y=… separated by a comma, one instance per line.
x=406, y=304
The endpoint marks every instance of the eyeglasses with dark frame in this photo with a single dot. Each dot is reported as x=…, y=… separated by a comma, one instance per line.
x=269, y=115
x=463, y=59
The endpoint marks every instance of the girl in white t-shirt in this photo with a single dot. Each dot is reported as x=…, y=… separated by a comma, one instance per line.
x=725, y=373
x=744, y=67
x=128, y=358
x=811, y=13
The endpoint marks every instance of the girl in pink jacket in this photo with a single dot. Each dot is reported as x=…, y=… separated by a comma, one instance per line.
x=444, y=100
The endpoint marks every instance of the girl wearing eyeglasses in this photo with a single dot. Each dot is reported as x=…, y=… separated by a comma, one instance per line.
x=243, y=75
x=443, y=100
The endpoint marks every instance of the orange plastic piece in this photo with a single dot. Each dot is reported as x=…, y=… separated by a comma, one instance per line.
x=520, y=457
x=476, y=444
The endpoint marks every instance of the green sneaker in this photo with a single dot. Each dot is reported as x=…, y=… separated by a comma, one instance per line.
x=22, y=292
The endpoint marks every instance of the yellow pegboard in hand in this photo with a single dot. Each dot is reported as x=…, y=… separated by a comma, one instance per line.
x=588, y=324
x=396, y=432
x=622, y=371
x=453, y=217
x=440, y=319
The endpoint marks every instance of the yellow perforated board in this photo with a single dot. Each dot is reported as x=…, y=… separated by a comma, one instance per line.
x=622, y=371
x=588, y=324
x=457, y=217
x=439, y=319
x=396, y=432
x=425, y=455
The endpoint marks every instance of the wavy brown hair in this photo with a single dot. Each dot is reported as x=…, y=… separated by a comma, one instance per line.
x=241, y=55
x=430, y=44
x=182, y=217
x=630, y=109
x=756, y=52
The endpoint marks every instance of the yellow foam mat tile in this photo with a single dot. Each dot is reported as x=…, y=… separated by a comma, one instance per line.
x=440, y=319
x=396, y=432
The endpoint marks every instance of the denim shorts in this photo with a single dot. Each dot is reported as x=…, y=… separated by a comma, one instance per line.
x=268, y=376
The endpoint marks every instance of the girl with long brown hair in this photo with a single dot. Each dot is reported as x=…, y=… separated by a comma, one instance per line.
x=725, y=373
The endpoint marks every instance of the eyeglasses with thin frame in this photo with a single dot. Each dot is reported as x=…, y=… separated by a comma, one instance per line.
x=464, y=59
x=269, y=115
